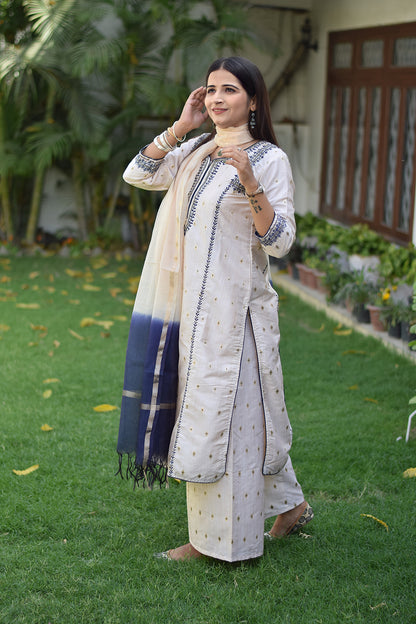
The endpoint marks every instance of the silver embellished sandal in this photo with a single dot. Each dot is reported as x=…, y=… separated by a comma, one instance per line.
x=305, y=516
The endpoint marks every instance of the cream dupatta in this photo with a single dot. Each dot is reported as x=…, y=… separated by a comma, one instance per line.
x=148, y=406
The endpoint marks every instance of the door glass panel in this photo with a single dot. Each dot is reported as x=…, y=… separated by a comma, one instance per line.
x=372, y=53
x=342, y=56
x=359, y=145
x=404, y=54
x=343, y=148
x=373, y=153
x=391, y=157
x=330, y=148
x=408, y=162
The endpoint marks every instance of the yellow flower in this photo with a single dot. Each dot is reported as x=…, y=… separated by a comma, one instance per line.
x=386, y=294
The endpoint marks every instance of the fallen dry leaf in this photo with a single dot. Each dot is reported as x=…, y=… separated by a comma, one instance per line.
x=47, y=394
x=87, y=321
x=109, y=275
x=34, y=274
x=22, y=473
x=370, y=400
x=119, y=317
x=105, y=408
x=91, y=287
x=74, y=301
x=98, y=263
x=114, y=291
x=46, y=428
x=73, y=273
x=376, y=520
x=51, y=380
x=342, y=332
x=41, y=328
x=4, y=327
x=410, y=472
x=133, y=283
x=28, y=306
x=75, y=335
x=354, y=387
x=128, y=302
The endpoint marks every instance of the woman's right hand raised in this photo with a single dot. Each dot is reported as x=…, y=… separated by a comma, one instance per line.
x=193, y=115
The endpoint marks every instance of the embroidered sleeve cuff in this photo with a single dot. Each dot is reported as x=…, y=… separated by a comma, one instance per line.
x=146, y=164
x=274, y=232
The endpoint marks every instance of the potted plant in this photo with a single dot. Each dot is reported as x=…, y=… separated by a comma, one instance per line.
x=356, y=293
x=395, y=313
x=398, y=265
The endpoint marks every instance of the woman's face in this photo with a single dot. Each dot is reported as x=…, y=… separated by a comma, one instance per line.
x=227, y=102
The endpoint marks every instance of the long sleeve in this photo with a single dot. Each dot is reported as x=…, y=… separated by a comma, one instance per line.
x=276, y=177
x=157, y=174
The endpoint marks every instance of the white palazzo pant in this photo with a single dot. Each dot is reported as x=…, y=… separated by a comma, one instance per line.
x=226, y=518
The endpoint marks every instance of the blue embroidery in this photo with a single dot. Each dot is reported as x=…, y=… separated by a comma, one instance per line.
x=205, y=175
x=198, y=309
x=149, y=165
x=259, y=150
x=275, y=231
x=194, y=194
x=236, y=185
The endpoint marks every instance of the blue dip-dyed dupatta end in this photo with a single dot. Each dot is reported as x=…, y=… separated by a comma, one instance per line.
x=148, y=406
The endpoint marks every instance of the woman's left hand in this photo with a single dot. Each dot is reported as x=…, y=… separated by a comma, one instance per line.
x=238, y=158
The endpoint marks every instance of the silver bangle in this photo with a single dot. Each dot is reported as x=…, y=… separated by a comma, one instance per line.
x=259, y=189
x=162, y=144
x=165, y=142
x=174, y=134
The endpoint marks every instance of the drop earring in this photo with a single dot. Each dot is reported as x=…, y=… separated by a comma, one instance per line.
x=252, y=121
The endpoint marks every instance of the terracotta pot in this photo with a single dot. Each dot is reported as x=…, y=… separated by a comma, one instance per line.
x=305, y=275
x=319, y=277
x=376, y=321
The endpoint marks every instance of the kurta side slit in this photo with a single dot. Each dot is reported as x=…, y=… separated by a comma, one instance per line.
x=226, y=518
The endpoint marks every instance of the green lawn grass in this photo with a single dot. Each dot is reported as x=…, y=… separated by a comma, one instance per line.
x=77, y=543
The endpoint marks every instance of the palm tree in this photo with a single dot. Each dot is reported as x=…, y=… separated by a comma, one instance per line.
x=89, y=97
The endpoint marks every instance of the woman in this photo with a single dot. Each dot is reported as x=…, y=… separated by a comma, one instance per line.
x=203, y=393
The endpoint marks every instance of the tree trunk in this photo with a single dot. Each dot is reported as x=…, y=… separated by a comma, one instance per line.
x=97, y=200
x=77, y=173
x=113, y=201
x=37, y=192
x=4, y=184
x=7, y=207
x=35, y=204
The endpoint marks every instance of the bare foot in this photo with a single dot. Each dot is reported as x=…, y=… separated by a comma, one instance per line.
x=286, y=520
x=183, y=553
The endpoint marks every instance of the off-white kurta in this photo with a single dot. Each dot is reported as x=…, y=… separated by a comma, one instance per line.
x=226, y=277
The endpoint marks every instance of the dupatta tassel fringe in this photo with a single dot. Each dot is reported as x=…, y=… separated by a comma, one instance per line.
x=145, y=476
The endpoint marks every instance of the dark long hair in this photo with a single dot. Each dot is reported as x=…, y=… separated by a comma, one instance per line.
x=253, y=82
